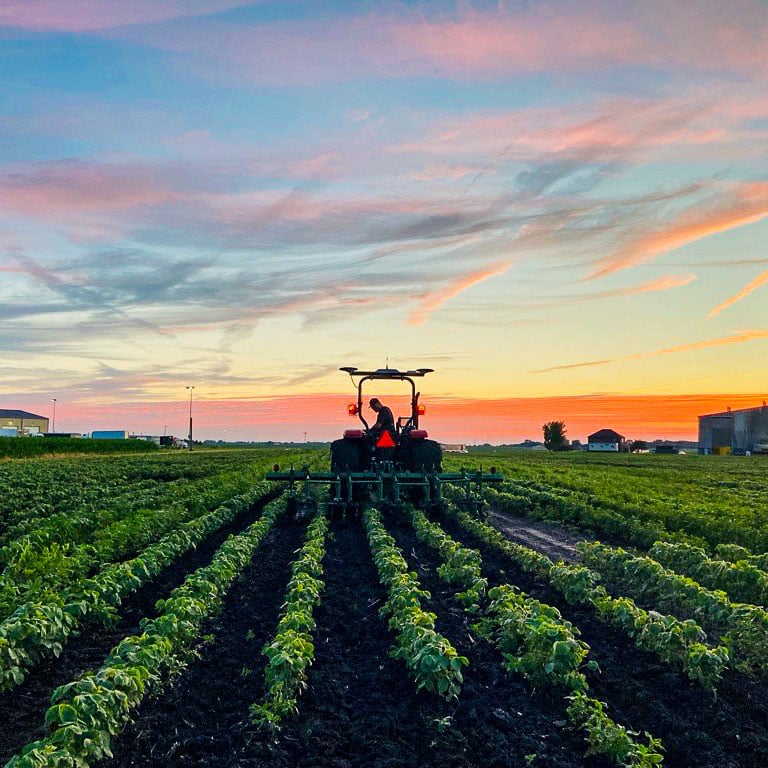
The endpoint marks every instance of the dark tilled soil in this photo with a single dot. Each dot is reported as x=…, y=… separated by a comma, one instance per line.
x=202, y=718
x=361, y=708
x=22, y=709
x=519, y=721
x=699, y=730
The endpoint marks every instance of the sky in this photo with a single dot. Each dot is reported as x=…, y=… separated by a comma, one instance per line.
x=560, y=206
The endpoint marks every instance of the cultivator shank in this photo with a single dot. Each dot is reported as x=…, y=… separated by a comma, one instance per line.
x=350, y=492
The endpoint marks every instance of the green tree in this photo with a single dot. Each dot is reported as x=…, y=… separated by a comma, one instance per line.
x=554, y=436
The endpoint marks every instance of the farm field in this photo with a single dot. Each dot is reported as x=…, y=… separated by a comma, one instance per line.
x=167, y=609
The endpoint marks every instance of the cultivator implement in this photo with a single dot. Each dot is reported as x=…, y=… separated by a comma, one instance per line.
x=350, y=492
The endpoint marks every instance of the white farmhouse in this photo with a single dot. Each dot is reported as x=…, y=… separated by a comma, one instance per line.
x=605, y=440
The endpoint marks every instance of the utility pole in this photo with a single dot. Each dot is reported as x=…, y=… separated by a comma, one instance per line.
x=190, y=388
x=53, y=400
x=305, y=437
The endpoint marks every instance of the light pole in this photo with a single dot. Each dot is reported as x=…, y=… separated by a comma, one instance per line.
x=53, y=400
x=190, y=388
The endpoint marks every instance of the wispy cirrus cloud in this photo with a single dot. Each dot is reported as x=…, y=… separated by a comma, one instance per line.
x=742, y=337
x=60, y=188
x=99, y=15
x=758, y=282
x=663, y=283
x=737, y=205
x=432, y=300
x=463, y=43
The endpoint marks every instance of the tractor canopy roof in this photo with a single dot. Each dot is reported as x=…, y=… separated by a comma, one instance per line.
x=386, y=373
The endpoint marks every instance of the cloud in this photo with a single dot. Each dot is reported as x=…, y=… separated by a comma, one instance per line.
x=59, y=189
x=432, y=300
x=95, y=15
x=438, y=172
x=397, y=42
x=742, y=337
x=663, y=283
x=758, y=282
x=738, y=205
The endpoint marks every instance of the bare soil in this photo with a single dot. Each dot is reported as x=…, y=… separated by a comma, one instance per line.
x=551, y=539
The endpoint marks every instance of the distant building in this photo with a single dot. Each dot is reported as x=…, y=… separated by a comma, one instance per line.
x=454, y=447
x=740, y=432
x=605, y=440
x=24, y=422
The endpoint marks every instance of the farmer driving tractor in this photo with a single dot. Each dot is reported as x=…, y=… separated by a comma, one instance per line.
x=385, y=421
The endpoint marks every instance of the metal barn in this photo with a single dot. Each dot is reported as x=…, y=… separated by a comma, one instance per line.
x=740, y=432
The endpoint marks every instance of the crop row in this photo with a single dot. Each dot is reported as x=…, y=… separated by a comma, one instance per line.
x=69, y=548
x=35, y=490
x=537, y=643
x=678, y=643
x=735, y=553
x=71, y=493
x=433, y=661
x=743, y=627
x=551, y=505
x=742, y=580
x=292, y=651
x=644, y=498
x=88, y=713
x=37, y=630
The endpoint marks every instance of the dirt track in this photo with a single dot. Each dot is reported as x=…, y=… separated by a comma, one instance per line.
x=545, y=537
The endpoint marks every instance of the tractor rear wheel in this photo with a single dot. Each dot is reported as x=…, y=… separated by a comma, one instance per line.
x=426, y=455
x=345, y=456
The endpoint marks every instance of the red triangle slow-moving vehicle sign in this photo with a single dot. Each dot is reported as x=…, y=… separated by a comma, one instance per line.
x=385, y=441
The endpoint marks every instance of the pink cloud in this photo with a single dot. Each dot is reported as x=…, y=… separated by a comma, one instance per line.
x=758, y=282
x=664, y=283
x=613, y=128
x=95, y=15
x=61, y=189
x=437, y=172
x=742, y=337
x=594, y=36
x=431, y=301
x=745, y=203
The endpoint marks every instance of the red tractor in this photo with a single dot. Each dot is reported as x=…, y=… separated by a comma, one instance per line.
x=404, y=447
x=386, y=467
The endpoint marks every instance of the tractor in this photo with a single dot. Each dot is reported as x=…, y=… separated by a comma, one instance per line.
x=386, y=467
x=405, y=448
